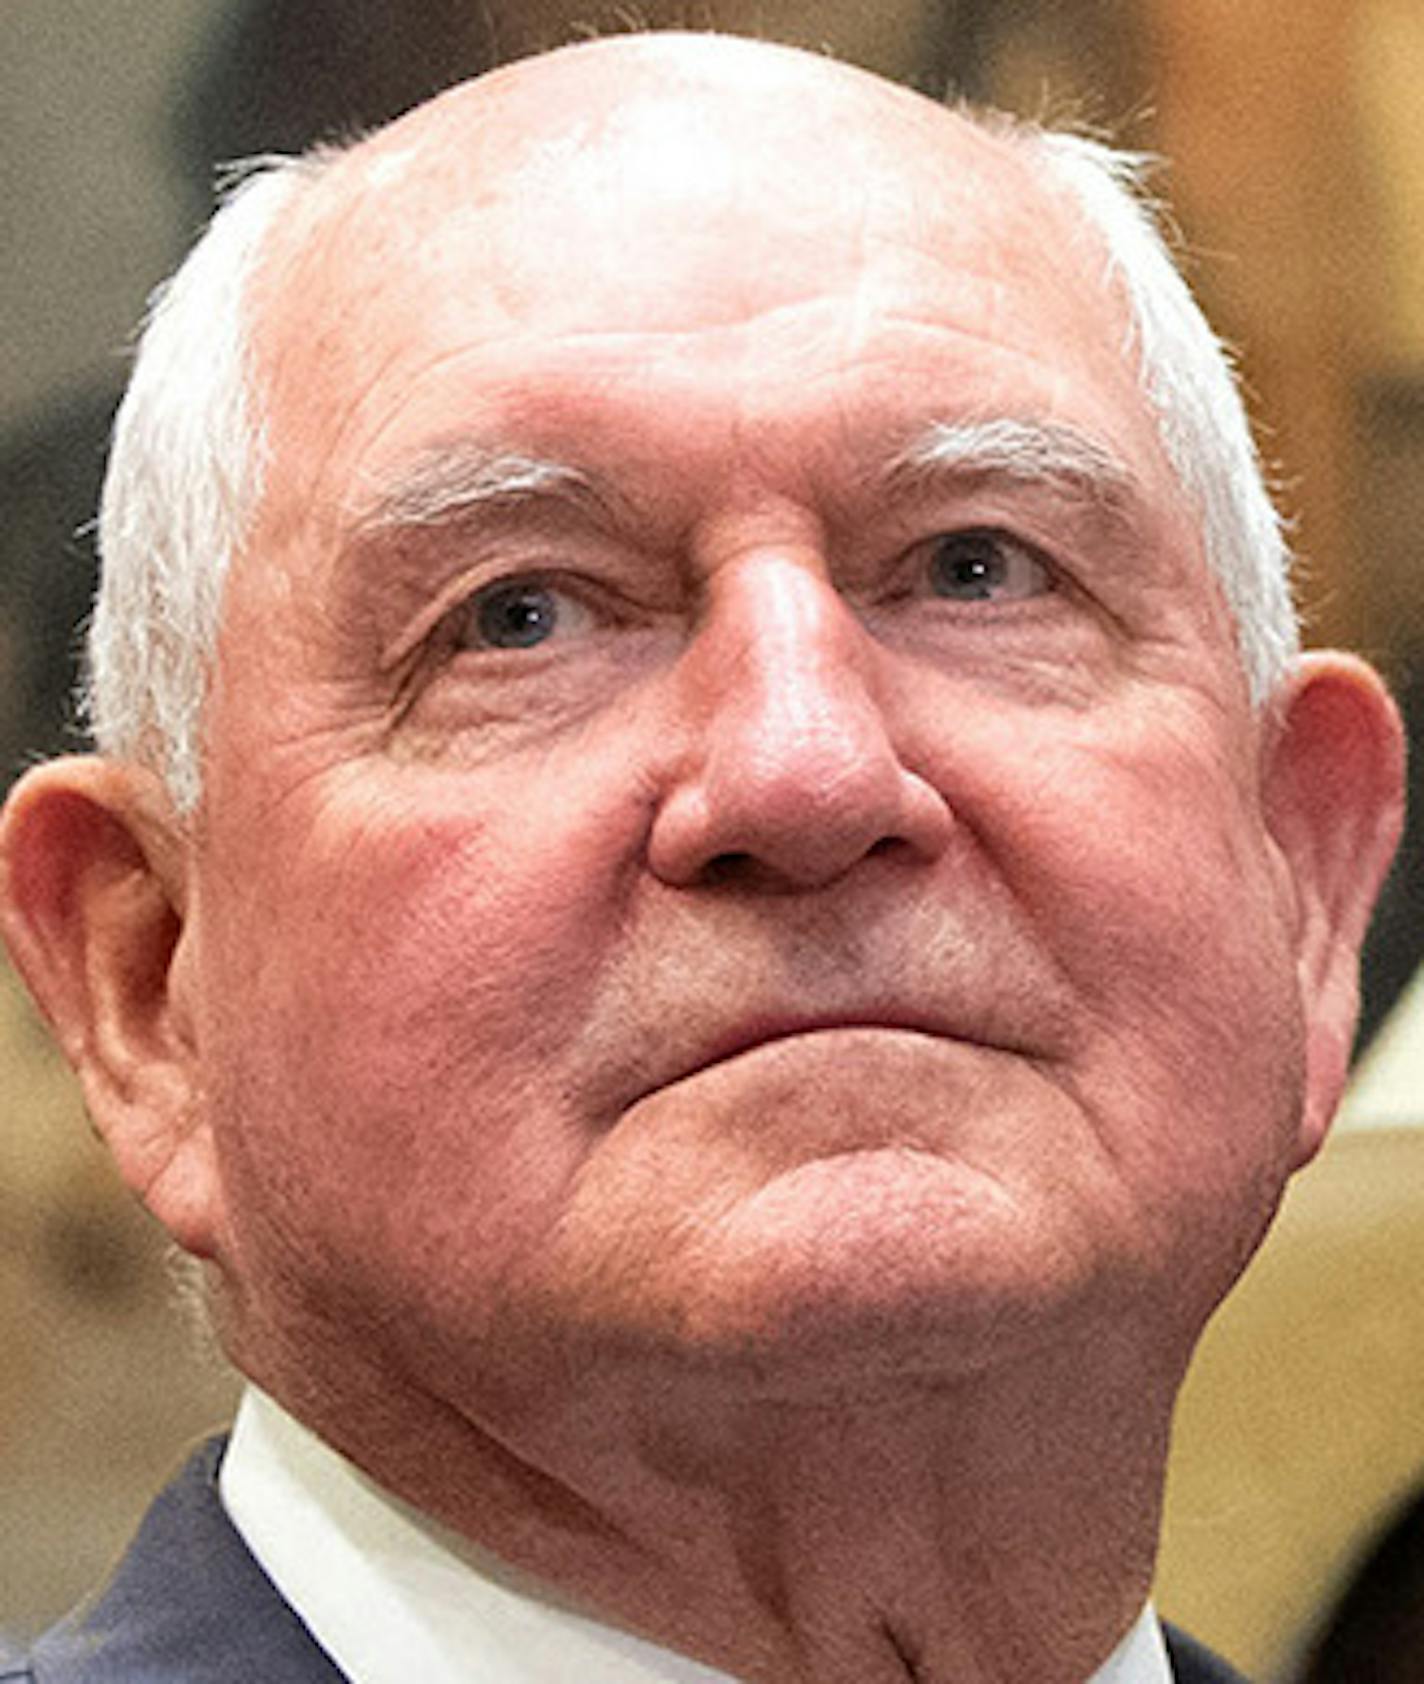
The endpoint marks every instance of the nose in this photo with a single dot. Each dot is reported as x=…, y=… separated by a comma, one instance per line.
x=789, y=773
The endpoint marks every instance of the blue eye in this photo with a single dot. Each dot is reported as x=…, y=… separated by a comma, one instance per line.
x=521, y=614
x=984, y=565
x=514, y=616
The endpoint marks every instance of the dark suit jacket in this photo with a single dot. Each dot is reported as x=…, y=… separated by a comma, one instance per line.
x=188, y=1604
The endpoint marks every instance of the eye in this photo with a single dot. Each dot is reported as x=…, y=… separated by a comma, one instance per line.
x=521, y=614
x=985, y=565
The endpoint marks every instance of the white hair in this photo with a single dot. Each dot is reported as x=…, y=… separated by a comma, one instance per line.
x=1189, y=379
x=185, y=472
x=184, y=477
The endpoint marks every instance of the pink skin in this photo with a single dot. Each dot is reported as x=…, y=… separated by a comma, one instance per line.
x=784, y=987
x=498, y=940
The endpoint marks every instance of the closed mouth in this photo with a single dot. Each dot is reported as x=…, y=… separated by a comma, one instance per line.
x=755, y=1036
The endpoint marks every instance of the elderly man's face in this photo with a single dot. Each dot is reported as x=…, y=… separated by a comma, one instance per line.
x=733, y=824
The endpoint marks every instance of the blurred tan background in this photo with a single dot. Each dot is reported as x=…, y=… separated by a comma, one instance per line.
x=1296, y=134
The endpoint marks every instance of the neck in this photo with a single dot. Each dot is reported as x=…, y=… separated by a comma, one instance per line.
x=1000, y=1528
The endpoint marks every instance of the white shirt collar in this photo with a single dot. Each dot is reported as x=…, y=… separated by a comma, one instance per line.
x=391, y=1595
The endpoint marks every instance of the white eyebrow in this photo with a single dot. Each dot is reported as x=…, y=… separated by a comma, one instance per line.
x=1046, y=452
x=451, y=483
x=447, y=484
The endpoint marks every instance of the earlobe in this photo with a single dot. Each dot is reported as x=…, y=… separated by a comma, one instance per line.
x=92, y=896
x=1334, y=800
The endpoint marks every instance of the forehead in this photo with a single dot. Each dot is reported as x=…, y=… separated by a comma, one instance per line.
x=667, y=232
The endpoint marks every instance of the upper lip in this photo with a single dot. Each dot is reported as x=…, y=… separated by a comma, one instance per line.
x=761, y=1030
x=708, y=993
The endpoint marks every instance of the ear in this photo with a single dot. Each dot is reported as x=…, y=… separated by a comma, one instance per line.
x=93, y=875
x=1334, y=801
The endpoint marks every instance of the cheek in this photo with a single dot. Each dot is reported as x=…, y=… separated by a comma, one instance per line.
x=390, y=1073
x=1173, y=922
x=1134, y=837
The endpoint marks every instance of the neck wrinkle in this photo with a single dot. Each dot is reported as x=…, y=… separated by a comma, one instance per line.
x=957, y=1534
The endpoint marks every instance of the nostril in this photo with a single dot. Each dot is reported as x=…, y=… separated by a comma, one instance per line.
x=747, y=872
x=727, y=868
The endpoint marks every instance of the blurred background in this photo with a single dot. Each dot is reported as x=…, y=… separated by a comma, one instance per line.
x=1295, y=133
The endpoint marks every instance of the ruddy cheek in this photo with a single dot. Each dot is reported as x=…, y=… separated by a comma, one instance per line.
x=472, y=936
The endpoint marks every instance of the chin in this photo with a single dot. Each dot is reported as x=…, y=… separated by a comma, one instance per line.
x=853, y=1273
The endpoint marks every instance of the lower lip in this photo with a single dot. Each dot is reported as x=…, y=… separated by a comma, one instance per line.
x=840, y=1054
x=825, y=1093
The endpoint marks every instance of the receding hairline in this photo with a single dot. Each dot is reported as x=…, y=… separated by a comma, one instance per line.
x=170, y=566
x=474, y=126
x=605, y=72
x=454, y=133
x=391, y=154
x=422, y=140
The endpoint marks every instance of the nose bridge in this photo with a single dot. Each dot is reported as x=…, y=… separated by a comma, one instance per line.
x=788, y=669
x=791, y=766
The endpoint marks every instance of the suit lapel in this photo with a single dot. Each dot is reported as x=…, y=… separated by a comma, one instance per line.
x=188, y=1604
x=1193, y=1663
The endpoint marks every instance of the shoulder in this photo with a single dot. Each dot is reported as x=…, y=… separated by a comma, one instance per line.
x=187, y=1604
x=14, y=1669
x=1194, y=1663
